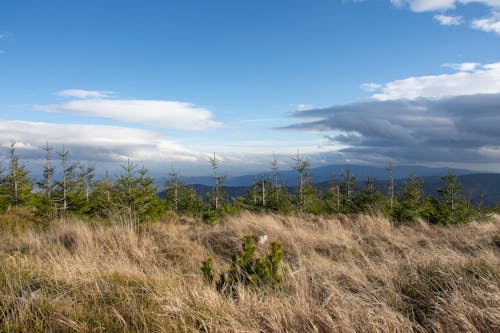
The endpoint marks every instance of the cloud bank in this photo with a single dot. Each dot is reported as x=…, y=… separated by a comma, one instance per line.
x=93, y=142
x=431, y=119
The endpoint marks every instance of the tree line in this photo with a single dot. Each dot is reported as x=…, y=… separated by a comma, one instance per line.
x=132, y=194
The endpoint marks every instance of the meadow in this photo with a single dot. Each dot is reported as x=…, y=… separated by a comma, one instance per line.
x=340, y=273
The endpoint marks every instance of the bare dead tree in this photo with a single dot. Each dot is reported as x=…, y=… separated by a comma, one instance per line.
x=391, y=184
x=275, y=167
x=215, y=164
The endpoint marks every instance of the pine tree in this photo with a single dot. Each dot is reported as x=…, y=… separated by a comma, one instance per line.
x=260, y=193
x=135, y=196
x=86, y=175
x=48, y=172
x=217, y=197
x=347, y=192
x=180, y=198
x=333, y=196
x=4, y=193
x=301, y=166
x=370, y=199
x=455, y=209
x=172, y=191
x=17, y=184
x=411, y=201
x=348, y=183
x=80, y=189
x=66, y=185
x=101, y=203
x=451, y=207
x=146, y=203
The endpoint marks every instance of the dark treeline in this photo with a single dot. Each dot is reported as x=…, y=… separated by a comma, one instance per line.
x=133, y=196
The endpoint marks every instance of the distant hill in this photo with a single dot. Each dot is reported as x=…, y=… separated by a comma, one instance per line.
x=322, y=174
x=476, y=187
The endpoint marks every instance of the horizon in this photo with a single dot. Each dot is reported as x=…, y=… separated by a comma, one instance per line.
x=168, y=84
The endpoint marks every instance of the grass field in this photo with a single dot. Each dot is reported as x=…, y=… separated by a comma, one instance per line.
x=341, y=274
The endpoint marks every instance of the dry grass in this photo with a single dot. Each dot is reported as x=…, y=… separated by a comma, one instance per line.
x=358, y=274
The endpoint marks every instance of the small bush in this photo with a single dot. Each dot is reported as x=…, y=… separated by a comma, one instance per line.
x=248, y=269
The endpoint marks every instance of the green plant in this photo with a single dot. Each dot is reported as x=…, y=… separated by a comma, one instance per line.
x=248, y=269
x=207, y=267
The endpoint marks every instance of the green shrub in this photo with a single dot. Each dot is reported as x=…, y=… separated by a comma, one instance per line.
x=207, y=268
x=247, y=269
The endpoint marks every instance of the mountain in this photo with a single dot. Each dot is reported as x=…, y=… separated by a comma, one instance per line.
x=322, y=174
x=476, y=187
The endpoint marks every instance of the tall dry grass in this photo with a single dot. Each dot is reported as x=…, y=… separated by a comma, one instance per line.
x=356, y=274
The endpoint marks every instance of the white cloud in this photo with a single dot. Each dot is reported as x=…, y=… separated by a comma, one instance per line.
x=463, y=67
x=398, y=3
x=431, y=5
x=489, y=24
x=95, y=142
x=158, y=113
x=303, y=107
x=371, y=87
x=80, y=93
x=440, y=5
x=448, y=19
x=483, y=80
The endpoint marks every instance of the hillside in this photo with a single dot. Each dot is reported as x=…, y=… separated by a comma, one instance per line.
x=476, y=187
x=323, y=173
x=340, y=274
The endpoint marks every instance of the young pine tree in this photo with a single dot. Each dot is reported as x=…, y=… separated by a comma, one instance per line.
x=64, y=187
x=135, y=196
x=180, y=198
x=16, y=183
x=46, y=183
x=218, y=194
x=451, y=207
x=370, y=199
x=301, y=166
x=347, y=192
x=44, y=204
x=4, y=193
x=410, y=205
x=333, y=196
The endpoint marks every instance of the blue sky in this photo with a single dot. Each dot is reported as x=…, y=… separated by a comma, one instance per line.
x=169, y=82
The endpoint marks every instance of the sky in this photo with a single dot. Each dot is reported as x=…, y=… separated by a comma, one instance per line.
x=169, y=83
